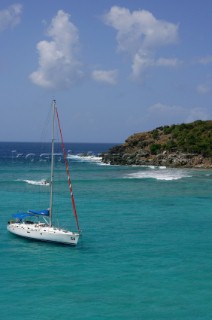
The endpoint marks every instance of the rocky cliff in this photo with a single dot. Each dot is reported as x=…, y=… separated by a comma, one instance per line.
x=185, y=145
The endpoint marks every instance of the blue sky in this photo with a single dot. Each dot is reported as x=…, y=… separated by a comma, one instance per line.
x=114, y=67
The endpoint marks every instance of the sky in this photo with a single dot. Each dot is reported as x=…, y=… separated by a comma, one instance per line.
x=115, y=67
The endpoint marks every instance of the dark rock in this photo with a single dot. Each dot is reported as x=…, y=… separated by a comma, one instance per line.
x=166, y=146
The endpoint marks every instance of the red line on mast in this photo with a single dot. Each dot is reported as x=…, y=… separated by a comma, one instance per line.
x=68, y=172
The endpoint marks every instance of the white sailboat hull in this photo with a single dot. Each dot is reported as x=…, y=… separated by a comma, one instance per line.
x=42, y=232
x=28, y=224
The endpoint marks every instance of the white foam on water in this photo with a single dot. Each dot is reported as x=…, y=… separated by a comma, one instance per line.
x=85, y=158
x=42, y=182
x=159, y=174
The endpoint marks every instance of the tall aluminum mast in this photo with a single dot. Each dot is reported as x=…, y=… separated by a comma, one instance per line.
x=52, y=164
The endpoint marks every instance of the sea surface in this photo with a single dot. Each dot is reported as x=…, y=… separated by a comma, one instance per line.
x=146, y=246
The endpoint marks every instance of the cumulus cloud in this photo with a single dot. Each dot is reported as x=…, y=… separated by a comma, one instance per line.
x=10, y=17
x=140, y=34
x=108, y=77
x=59, y=66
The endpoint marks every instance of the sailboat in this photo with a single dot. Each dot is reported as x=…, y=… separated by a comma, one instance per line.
x=37, y=224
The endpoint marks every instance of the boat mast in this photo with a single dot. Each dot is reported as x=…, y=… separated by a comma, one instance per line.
x=52, y=164
x=67, y=171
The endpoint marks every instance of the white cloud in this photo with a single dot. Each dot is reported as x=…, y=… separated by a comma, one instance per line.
x=59, y=66
x=10, y=17
x=142, y=61
x=168, y=62
x=109, y=77
x=140, y=34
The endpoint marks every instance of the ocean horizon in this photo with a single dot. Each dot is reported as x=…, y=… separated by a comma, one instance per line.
x=145, y=251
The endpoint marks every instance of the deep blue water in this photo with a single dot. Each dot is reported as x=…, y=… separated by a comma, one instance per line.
x=21, y=150
x=146, y=248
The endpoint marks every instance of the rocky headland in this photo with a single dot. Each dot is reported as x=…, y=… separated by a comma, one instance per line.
x=184, y=145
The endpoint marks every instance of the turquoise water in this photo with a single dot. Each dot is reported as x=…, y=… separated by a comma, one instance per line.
x=145, y=252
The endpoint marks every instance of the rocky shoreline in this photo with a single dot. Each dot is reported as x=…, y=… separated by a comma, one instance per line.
x=176, y=146
x=173, y=160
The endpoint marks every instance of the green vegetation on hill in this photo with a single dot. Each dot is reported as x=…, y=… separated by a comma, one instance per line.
x=184, y=145
x=195, y=137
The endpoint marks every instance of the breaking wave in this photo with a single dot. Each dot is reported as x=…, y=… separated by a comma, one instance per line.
x=41, y=182
x=85, y=158
x=159, y=174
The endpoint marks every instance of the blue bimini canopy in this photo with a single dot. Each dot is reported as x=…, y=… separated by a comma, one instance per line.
x=30, y=213
x=21, y=215
x=40, y=212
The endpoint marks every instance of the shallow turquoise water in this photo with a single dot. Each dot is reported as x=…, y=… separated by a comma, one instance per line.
x=145, y=252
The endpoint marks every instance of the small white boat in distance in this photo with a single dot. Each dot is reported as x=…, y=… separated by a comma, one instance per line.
x=37, y=225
